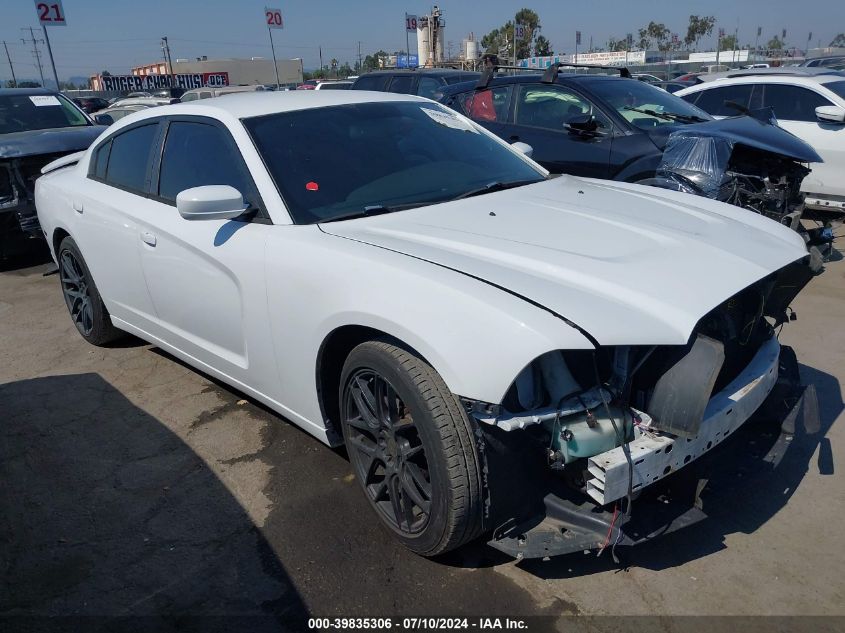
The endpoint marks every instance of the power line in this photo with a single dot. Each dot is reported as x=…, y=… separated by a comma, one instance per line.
x=35, y=52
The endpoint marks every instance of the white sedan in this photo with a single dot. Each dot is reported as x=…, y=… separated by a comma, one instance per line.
x=383, y=272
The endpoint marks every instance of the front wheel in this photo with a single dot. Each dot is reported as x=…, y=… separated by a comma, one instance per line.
x=82, y=298
x=412, y=448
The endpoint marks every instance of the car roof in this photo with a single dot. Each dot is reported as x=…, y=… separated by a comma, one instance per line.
x=800, y=72
x=420, y=71
x=4, y=92
x=243, y=105
x=562, y=78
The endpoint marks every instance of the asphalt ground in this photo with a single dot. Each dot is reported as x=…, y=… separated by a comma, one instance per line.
x=136, y=492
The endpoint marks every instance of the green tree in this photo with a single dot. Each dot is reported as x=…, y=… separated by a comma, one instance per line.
x=502, y=39
x=617, y=45
x=729, y=43
x=28, y=84
x=542, y=46
x=698, y=27
x=655, y=34
x=11, y=84
x=774, y=44
x=371, y=62
x=838, y=41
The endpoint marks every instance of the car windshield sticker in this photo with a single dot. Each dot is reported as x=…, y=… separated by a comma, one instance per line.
x=45, y=100
x=449, y=120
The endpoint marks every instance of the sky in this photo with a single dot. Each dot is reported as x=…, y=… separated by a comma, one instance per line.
x=115, y=35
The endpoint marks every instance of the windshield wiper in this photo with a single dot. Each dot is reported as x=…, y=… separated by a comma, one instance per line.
x=669, y=116
x=374, y=209
x=496, y=185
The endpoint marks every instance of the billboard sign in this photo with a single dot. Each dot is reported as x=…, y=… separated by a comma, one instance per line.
x=158, y=82
x=273, y=18
x=402, y=61
x=50, y=13
x=410, y=23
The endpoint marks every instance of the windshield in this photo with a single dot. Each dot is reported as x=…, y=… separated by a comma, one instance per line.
x=350, y=159
x=632, y=98
x=20, y=113
x=836, y=87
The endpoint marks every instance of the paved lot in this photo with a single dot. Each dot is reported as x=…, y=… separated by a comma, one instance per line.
x=131, y=484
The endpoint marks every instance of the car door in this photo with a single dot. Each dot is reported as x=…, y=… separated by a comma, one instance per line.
x=108, y=208
x=205, y=277
x=541, y=114
x=795, y=109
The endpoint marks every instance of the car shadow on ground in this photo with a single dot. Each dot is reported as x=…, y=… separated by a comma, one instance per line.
x=107, y=515
x=750, y=478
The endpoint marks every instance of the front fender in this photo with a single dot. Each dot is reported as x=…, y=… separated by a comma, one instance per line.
x=478, y=337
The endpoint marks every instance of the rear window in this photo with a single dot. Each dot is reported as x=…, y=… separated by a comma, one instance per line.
x=20, y=113
x=370, y=82
x=130, y=152
x=401, y=84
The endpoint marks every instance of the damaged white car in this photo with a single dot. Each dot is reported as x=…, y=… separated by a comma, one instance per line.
x=383, y=272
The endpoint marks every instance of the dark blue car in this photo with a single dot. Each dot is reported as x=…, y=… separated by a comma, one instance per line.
x=618, y=128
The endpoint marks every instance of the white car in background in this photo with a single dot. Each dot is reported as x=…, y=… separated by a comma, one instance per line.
x=385, y=273
x=808, y=102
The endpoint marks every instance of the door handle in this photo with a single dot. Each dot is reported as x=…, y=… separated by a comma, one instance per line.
x=148, y=238
x=77, y=206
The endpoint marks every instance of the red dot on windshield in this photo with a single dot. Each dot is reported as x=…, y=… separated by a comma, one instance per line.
x=312, y=186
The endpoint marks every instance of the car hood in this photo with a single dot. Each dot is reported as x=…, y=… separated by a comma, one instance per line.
x=746, y=130
x=50, y=141
x=630, y=265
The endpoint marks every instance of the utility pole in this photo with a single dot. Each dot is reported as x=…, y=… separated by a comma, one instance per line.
x=50, y=53
x=321, y=58
x=35, y=52
x=165, y=48
x=12, y=68
x=360, y=63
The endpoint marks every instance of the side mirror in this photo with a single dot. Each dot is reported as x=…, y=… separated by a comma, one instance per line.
x=210, y=202
x=523, y=148
x=830, y=114
x=104, y=119
x=582, y=124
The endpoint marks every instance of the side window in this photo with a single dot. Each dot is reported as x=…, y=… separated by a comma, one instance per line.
x=793, y=103
x=189, y=96
x=130, y=153
x=196, y=154
x=370, y=82
x=553, y=107
x=401, y=84
x=489, y=105
x=713, y=100
x=101, y=161
x=206, y=95
x=427, y=87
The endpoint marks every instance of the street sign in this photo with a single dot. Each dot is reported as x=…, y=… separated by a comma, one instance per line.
x=577, y=38
x=50, y=13
x=519, y=31
x=410, y=23
x=721, y=33
x=273, y=18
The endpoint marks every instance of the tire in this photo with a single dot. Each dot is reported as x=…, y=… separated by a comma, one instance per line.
x=429, y=440
x=82, y=298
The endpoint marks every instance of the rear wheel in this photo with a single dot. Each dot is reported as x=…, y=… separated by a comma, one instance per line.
x=83, y=301
x=412, y=448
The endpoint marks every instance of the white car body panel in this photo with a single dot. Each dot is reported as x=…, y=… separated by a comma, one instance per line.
x=479, y=287
x=828, y=139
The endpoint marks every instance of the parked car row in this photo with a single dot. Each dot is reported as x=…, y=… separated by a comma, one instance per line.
x=502, y=351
